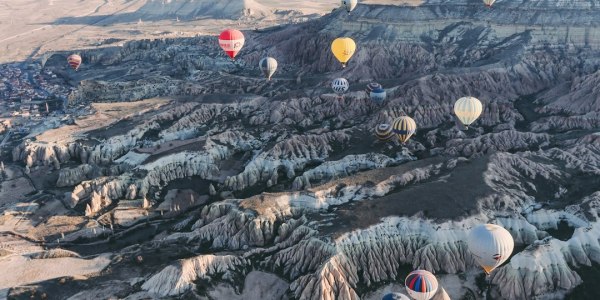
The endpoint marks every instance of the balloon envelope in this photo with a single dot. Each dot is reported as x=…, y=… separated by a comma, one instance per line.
x=349, y=5
x=467, y=110
x=404, y=127
x=384, y=132
x=491, y=245
x=268, y=66
x=371, y=86
x=74, y=61
x=378, y=95
x=340, y=85
x=231, y=41
x=489, y=3
x=443, y=294
x=395, y=296
x=421, y=285
x=343, y=48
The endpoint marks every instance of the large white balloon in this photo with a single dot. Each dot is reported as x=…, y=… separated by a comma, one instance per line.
x=491, y=245
x=468, y=109
x=489, y=3
x=443, y=294
x=349, y=5
x=268, y=66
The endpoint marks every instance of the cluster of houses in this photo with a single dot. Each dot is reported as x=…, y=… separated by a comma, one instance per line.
x=28, y=95
x=29, y=92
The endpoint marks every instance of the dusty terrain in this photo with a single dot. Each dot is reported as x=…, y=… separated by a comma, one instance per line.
x=34, y=28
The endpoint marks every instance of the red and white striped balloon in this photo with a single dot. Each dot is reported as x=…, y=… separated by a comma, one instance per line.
x=231, y=41
x=74, y=61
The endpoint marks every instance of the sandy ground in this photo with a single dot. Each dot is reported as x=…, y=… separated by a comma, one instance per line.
x=106, y=114
x=30, y=28
x=25, y=271
x=56, y=225
x=40, y=223
x=11, y=245
x=13, y=190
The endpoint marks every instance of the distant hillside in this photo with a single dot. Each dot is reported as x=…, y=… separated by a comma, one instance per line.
x=188, y=9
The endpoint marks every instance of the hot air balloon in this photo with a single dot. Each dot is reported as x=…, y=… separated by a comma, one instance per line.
x=378, y=95
x=491, y=245
x=489, y=3
x=268, y=66
x=468, y=109
x=343, y=48
x=395, y=296
x=74, y=61
x=371, y=86
x=231, y=41
x=349, y=5
x=444, y=295
x=384, y=132
x=340, y=85
x=404, y=127
x=421, y=285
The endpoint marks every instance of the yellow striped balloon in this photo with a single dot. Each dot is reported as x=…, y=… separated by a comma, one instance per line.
x=468, y=109
x=384, y=132
x=404, y=127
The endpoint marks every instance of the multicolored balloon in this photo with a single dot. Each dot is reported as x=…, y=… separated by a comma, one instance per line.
x=384, y=132
x=268, y=66
x=404, y=127
x=378, y=95
x=74, y=61
x=421, y=285
x=468, y=109
x=340, y=85
x=231, y=41
x=491, y=245
x=343, y=48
